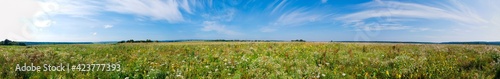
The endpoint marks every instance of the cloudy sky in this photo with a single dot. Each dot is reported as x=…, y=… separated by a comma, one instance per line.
x=311, y=20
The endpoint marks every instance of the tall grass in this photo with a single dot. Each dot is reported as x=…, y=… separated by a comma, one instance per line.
x=259, y=60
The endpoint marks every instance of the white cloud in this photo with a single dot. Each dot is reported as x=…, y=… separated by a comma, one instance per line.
x=16, y=19
x=214, y=26
x=480, y=18
x=156, y=9
x=41, y=19
x=386, y=10
x=81, y=8
x=225, y=15
x=297, y=17
x=95, y=33
x=278, y=5
x=267, y=29
x=108, y=26
x=408, y=10
x=324, y=1
x=376, y=27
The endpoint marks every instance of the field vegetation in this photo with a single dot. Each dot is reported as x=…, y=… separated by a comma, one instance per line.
x=259, y=60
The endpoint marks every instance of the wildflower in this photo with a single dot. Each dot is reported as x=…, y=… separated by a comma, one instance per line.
x=126, y=78
x=387, y=72
x=343, y=74
x=323, y=75
x=206, y=66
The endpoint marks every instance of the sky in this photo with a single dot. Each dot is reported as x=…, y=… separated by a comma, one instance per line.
x=311, y=20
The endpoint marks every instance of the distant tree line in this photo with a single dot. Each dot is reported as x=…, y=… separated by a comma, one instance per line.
x=138, y=41
x=223, y=40
x=299, y=40
x=216, y=40
x=9, y=42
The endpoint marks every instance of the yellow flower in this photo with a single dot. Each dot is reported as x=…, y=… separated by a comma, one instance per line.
x=387, y=72
x=366, y=74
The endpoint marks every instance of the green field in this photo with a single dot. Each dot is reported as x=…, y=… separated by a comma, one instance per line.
x=258, y=60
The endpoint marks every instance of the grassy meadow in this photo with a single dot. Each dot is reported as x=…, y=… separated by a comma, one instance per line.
x=258, y=60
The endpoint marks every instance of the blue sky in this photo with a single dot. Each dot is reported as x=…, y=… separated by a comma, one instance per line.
x=312, y=20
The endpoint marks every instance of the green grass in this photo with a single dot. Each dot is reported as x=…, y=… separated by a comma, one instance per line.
x=259, y=60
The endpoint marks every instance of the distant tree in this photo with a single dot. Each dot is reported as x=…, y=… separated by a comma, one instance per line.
x=130, y=41
x=22, y=44
x=6, y=42
x=138, y=41
x=9, y=42
x=121, y=42
x=299, y=40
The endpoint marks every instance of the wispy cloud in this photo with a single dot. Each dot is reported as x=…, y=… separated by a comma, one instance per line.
x=278, y=5
x=169, y=10
x=219, y=28
x=480, y=18
x=225, y=15
x=108, y=26
x=324, y=1
x=297, y=17
x=77, y=9
x=72, y=8
x=385, y=11
x=376, y=27
x=41, y=19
